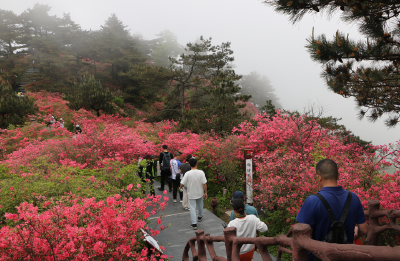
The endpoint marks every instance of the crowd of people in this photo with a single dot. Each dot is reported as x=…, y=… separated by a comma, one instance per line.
x=334, y=214
x=53, y=123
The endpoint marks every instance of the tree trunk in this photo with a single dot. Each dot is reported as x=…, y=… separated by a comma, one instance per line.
x=183, y=101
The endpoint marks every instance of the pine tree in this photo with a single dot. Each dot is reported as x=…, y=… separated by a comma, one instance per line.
x=220, y=110
x=269, y=108
x=260, y=89
x=166, y=46
x=14, y=109
x=349, y=71
x=199, y=64
x=90, y=94
x=116, y=46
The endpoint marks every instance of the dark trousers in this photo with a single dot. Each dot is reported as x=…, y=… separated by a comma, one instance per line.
x=165, y=173
x=176, y=183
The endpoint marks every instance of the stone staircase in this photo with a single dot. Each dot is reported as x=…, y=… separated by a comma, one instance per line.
x=29, y=77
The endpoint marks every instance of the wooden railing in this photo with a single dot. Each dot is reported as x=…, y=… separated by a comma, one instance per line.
x=301, y=242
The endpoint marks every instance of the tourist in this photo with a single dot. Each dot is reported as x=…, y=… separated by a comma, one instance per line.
x=246, y=226
x=78, y=129
x=146, y=173
x=165, y=158
x=314, y=213
x=150, y=173
x=61, y=123
x=176, y=177
x=52, y=121
x=249, y=210
x=196, y=183
x=185, y=167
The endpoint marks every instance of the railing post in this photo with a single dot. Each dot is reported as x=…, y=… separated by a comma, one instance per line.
x=201, y=247
x=300, y=233
x=373, y=209
x=230, y=234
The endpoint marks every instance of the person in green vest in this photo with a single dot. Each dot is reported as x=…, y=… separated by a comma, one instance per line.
x=148, y=172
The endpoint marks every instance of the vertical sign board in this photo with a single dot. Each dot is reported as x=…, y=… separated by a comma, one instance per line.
x=249, y=175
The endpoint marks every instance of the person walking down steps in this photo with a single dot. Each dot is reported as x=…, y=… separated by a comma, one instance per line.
x=185, y=167
x=165, y=158
x=196, y=183
x=176, y=176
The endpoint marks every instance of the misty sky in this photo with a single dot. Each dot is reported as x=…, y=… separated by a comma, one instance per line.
x=262, y=41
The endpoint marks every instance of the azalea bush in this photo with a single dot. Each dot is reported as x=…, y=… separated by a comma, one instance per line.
x=46, y=169
x=286, y=149
x=52, y=181
x=82, y=229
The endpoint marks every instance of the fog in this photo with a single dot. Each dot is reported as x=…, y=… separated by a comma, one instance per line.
x=262, y=40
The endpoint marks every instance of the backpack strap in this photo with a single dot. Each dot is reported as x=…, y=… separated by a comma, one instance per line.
x=346, y=208
x=328, y=208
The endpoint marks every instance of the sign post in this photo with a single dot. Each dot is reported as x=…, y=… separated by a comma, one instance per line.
x=249, y=175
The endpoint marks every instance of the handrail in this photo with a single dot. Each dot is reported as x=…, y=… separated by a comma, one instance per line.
x=301, y=242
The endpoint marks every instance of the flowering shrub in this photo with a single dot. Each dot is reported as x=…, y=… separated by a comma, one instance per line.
x=82, y=229
x=42, y=162
x=286, y=149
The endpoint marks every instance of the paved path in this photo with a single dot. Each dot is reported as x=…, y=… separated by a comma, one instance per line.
x=175, y=237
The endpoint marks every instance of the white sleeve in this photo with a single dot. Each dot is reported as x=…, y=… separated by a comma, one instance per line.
x=231, y=224
x=261, y=226
x=204, y=178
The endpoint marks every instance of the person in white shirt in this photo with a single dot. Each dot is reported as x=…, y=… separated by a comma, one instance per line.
x=196, y=183
x=246, y=226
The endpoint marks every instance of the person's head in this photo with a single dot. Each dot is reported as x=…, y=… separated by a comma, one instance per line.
x=327, y=172
x=61, y=119
x=188, y=157
x=193, y=163
x=77, y=126
x=178, y=154
x=238, y=205
x=238, y=194
x=165, y=147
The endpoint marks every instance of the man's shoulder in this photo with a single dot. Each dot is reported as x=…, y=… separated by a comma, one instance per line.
x=195, y=171
x=251, y=208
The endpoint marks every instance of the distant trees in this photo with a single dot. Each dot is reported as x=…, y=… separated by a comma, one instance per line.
x=367, y=70
x=166, y=46
x=195, y=85
x=220, y=110
x=260, y=89
x=13, y=109
x=116, y=46
x=90, y=94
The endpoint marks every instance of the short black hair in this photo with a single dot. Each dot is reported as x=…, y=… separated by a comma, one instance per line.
x=165, y=147
x=188, y=157
x=193, y=162
x=238, y=205
x=178, y=153
x=327, y=169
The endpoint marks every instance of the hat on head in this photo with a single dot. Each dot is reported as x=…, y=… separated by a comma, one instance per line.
x=77, y=125
x=238, y=194
x=238, y=204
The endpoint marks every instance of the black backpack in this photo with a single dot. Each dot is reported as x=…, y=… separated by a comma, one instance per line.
x=166, y=160
x=337, y=232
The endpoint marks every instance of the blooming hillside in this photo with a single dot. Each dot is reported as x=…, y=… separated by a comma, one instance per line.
x=77, y=182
